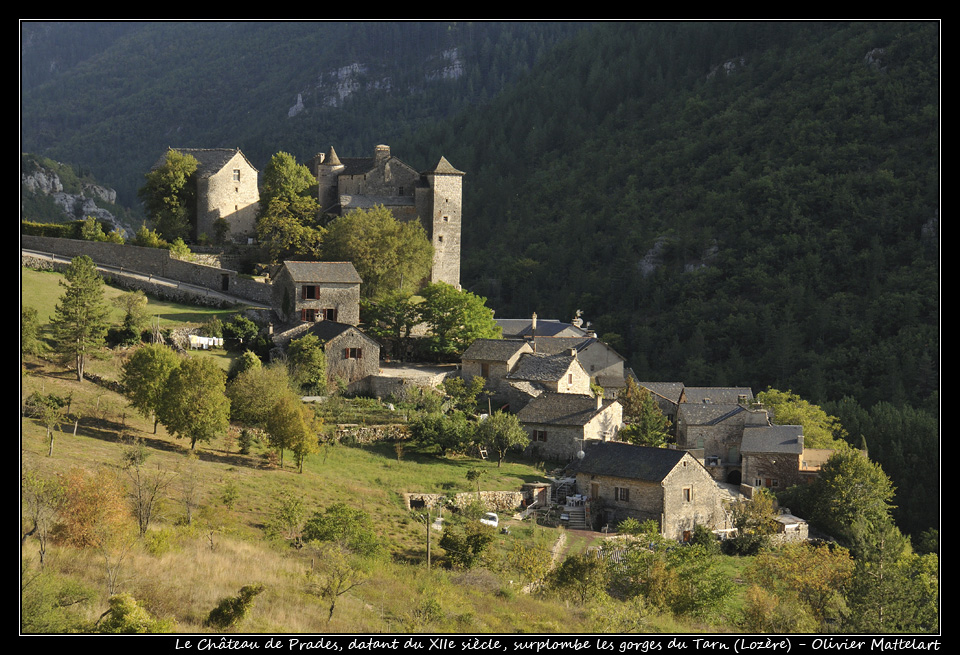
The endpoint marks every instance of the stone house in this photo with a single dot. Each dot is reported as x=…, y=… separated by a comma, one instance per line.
x=559, y=373
x=493, y=359
x=317, y=291
x=434, y=197
x=775, y=457
x=560, y=425
x=227, y=189
x=603, y=364
x=660, y=484
x=351, y=355
x=714, y=431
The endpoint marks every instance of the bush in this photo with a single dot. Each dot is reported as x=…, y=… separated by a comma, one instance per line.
x=232, y=610
x=125, y=616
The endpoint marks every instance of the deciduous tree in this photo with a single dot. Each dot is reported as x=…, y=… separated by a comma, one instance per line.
x=819, y=429
x=194, y=403
x=456, y=319
x=170, y=194
x=502, y=432
x=145, y=376
x=79, y=320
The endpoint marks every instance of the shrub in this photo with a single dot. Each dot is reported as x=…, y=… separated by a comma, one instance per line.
x=125, y=616
x=233, y=609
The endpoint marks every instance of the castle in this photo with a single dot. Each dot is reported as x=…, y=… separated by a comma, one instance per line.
x=435, y=197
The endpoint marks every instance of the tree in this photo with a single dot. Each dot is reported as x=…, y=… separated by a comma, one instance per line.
x=230, y=611
x=851, y=496
x=464, y=393
x=193, y=403
x=583, y=575
x=287, y=223
x=755, y=520
x=290, y=427
x=30, y=342
x=389, y=255
x=501, y=432
x=819, y=429
x=50, y=410
x=93, y=513
x=307, y=363
x=42, y=498
x=349, y=528
x=170, y=195
x=145, y=376
x=146, y=485
x=255, y=392
x=443, y=432
x=289, y=518
x=456, y=319
x=336, y=575
x=79, y=320
x=466, y=544
x=126, y=616
x=646, y=424
x=391, y=318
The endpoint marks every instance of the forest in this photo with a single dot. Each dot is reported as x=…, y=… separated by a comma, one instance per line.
x=735, y=203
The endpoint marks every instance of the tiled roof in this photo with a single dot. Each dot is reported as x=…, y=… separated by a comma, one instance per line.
x=562, y=409
x=328, y=330
x=694, y=414
x=541, y=368
x=494, y=350
x=773, y=439
x=338, y=272
x=624, y=460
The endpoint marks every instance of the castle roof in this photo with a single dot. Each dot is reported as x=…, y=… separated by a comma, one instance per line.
x=444, y=167
x=331, y=159
x=209, y=160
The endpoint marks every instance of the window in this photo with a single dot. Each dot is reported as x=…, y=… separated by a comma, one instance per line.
x=400, y=191
x=622, y=494
x=353, y=353
x=440, y=239
x=569, y=378
x=308, y=315
x=330, y=314
x=236, y=174
x=309, y=292
x=446, y=219
x=687, y=494
x=485, y=370
x=539, y=435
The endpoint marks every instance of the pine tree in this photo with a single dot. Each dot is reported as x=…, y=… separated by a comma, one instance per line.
x=79, y=321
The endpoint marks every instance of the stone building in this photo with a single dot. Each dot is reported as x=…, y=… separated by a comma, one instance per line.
x=493, y=359
x=714, y=431
x=775, y=457
x=434, y=197
x=660, y=484
x=317, y=291
x=226, y=189
x=352, y=356
x=561, y=425
x=603, y=364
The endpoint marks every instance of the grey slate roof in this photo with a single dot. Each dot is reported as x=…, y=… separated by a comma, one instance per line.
x=562, y=409
x=493, y=350
x=337, y=272
x=546, y=327
x=728, y=395
x=209, y=160
x=444, y=167
x=624, y=460
x=773, y=439
x=541, y=368
x=669, y=391
x=328, y=330
x=693, y=414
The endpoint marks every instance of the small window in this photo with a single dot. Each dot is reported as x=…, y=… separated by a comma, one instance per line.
x=353, y=353
x=310, y=292
x=440, y=239
x=621, y=494
x=569, y=378
x=309, y=315
x=539, y=435
x=485, y=370
x=446, y=219
x=236, y=174
x=400, y=191
x=330, y=314
x=687, y=494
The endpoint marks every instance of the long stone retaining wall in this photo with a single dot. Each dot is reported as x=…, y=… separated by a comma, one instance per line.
x=147, y=262
x=493, y=501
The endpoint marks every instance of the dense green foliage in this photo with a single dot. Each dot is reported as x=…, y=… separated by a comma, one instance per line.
x=144, y=378
x=79, y=320
x=170, y=195
x=194, y=403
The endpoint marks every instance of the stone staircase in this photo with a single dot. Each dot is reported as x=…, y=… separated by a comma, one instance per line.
x=578, y=518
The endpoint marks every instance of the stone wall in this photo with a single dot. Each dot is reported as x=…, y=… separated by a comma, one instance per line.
x=153, y=261
x=492, y=501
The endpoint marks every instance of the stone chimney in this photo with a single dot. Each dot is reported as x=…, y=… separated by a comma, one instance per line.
x=381, y=153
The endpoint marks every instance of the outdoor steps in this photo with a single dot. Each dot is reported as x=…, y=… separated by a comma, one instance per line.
x=578, y=518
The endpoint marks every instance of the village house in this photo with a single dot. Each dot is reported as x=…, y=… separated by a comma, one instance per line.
x=603, y=364
x=774, y=457
x=434, y=197
x=714, y=431
x=667, y=486
x=227, y=189
x=352, y=356
x=493, y=359
x=317, y=291
x=559, y=425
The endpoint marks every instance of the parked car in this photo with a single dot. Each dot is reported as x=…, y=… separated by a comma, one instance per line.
x=490, y=518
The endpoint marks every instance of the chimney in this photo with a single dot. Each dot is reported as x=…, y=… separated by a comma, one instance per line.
x=572, y=352
x=599, y=401
x=380, y=153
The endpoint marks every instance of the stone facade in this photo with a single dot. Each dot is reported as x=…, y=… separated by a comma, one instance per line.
x=493, y=359
x=435, y=197
x=352, y=356
x=667, y=486
x=717, y=430
x=317, y=291
x=492, y=501
x=560, y=425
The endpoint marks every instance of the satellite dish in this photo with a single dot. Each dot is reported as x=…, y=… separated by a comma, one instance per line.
x=581, y=455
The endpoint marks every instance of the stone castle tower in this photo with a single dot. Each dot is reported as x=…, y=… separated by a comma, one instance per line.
x=434, y=197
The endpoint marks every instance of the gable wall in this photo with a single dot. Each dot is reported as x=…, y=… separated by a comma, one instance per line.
x=703, y=507
x=220, y=196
